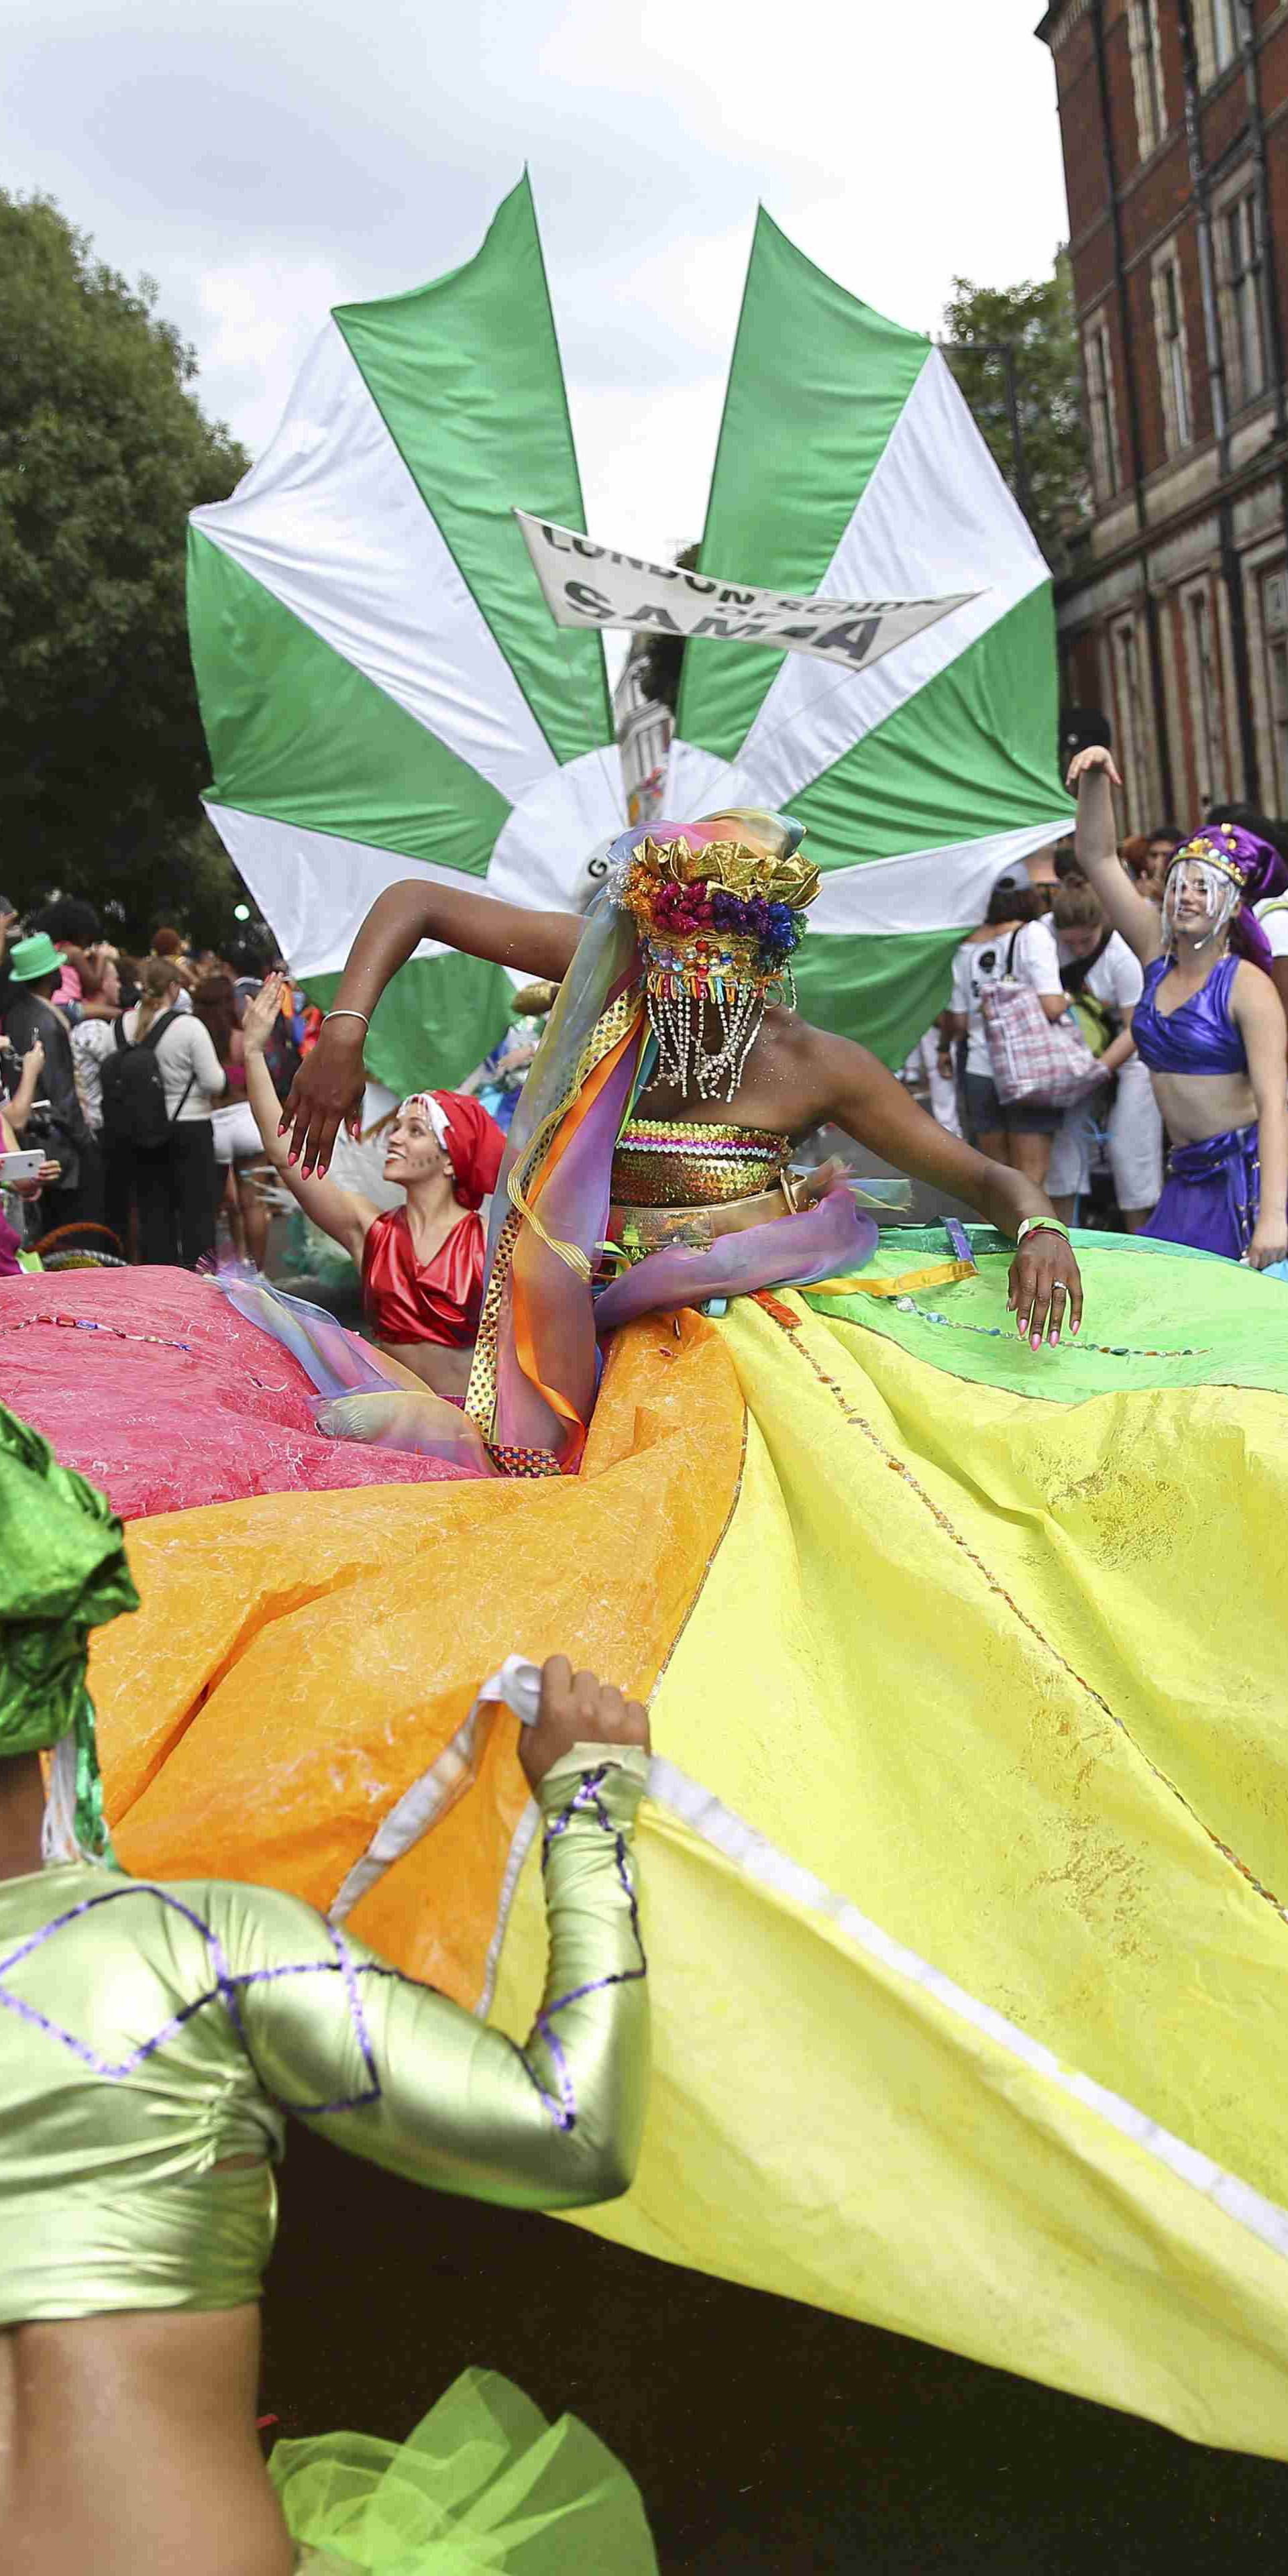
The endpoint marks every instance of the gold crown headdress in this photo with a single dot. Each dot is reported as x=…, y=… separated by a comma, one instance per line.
x=719, y=919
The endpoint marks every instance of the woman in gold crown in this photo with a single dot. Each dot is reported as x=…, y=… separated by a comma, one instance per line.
x=678, y=1006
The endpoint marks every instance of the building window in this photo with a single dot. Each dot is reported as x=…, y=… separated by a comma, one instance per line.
x=1274, y=623
x=1147, y=74
x=1097, y=356
x=1173, y=362
x=1216, y=29
x=1239, y=257
x=1206, y=705
x=1131, y=714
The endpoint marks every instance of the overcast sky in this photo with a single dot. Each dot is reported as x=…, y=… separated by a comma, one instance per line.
x=264, y=160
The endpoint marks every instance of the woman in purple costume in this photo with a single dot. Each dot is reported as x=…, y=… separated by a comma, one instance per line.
x=1210, y=1025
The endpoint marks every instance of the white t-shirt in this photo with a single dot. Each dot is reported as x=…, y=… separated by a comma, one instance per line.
x=1034, y=961
x=186, y=1054
x=92, y=1040
x=1273, y=917
x=1117, y=978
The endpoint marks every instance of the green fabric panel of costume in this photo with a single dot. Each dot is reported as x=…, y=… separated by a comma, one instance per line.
x=973, y=753
x=466, y=375
x=816, y=386
x=435, y=1022
x=297, y=733
x=882, y=991
x=1177, y=1320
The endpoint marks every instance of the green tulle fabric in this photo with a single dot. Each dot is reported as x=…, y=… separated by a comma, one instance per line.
x=62, y=1573
x=484, y=2484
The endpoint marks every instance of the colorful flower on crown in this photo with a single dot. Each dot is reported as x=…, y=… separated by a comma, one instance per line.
x=719, y=921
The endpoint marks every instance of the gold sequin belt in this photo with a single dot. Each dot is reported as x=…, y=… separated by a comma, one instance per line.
x=662, y=1163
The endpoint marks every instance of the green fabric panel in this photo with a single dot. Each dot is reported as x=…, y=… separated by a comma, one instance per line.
x=816, y=385
x=298, y=733
x=433, y=1024
x=882, y=991
x=973, y=753
x=1155, y=1316
x=466, y=375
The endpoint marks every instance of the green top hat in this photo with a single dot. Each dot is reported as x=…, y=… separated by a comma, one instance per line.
x=32, y=959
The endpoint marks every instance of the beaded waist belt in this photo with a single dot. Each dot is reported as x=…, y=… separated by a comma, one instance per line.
x=661, y=1163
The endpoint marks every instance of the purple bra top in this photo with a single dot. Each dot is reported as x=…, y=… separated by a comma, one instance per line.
x=1200, y=1037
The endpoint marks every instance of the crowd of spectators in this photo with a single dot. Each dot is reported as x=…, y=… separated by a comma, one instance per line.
x=1101, y=1159
x=126, y=1074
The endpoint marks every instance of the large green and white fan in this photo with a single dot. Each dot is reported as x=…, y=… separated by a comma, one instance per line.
x=386, y=693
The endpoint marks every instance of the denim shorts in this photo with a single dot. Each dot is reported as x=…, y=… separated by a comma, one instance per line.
x=986, y=1115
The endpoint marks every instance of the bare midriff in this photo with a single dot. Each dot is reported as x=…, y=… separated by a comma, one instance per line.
x=83, y=2400
x=432, y=1364
x=1198, y=1105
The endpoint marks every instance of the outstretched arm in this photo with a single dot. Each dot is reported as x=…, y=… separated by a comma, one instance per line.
x=1259, y=1014
x=328, y=1087
x=408, y=2079
x=1092, y=778
x=870, y=1105
x=341, y=1213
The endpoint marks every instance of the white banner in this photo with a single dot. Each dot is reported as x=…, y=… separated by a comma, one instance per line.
x=590, y=585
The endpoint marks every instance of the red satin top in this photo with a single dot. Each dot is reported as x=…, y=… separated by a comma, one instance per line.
x=406, y=1300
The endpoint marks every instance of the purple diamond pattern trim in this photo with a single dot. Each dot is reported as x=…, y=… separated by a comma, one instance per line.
x=226, y=1987
x=584, y=1801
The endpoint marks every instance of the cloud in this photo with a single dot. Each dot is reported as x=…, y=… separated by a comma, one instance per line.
x=264, y=162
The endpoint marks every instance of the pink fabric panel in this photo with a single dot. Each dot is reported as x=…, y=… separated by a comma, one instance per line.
x=194, y=1405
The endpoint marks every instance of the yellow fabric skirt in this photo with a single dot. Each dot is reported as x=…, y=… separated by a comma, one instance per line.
x=967, y=1834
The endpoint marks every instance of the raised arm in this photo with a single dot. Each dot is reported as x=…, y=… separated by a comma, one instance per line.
x=328, y=1087
x=1093, y=778
x=870, y=1105
x=341, y=1213
x=401, y=2075
x=1259, y=1014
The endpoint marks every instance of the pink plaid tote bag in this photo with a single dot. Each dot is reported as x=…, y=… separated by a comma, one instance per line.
x=1033, y=1058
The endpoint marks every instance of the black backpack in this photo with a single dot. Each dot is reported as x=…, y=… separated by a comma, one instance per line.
x=134, y=1110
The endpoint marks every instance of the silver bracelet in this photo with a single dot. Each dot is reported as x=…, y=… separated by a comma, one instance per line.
x=346, y=1015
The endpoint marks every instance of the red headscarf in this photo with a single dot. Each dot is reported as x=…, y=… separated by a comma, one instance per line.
x=472, y=1141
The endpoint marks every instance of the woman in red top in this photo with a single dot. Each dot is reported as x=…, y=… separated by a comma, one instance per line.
x=421, y=1265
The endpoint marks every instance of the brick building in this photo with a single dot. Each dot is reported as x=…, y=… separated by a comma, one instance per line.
x=1174, y=622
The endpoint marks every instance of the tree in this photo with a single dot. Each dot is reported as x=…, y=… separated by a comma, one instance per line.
x=103, y=452
x=1037, y=324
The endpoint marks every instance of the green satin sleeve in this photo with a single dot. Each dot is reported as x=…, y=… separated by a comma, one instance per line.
x=399, y=2074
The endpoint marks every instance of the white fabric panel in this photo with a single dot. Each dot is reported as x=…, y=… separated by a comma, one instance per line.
x=936, y=516
x=543, y=847
x=929, y=889
x=330, y=521
x=315, y=890
x=700, y=782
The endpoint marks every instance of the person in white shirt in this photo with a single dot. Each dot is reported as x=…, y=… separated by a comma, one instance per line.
x=94, y=1036
x=1273, y=917
x=1108, y=980
x=177, y=1185
x=930, y=1069
x=1019, y=945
